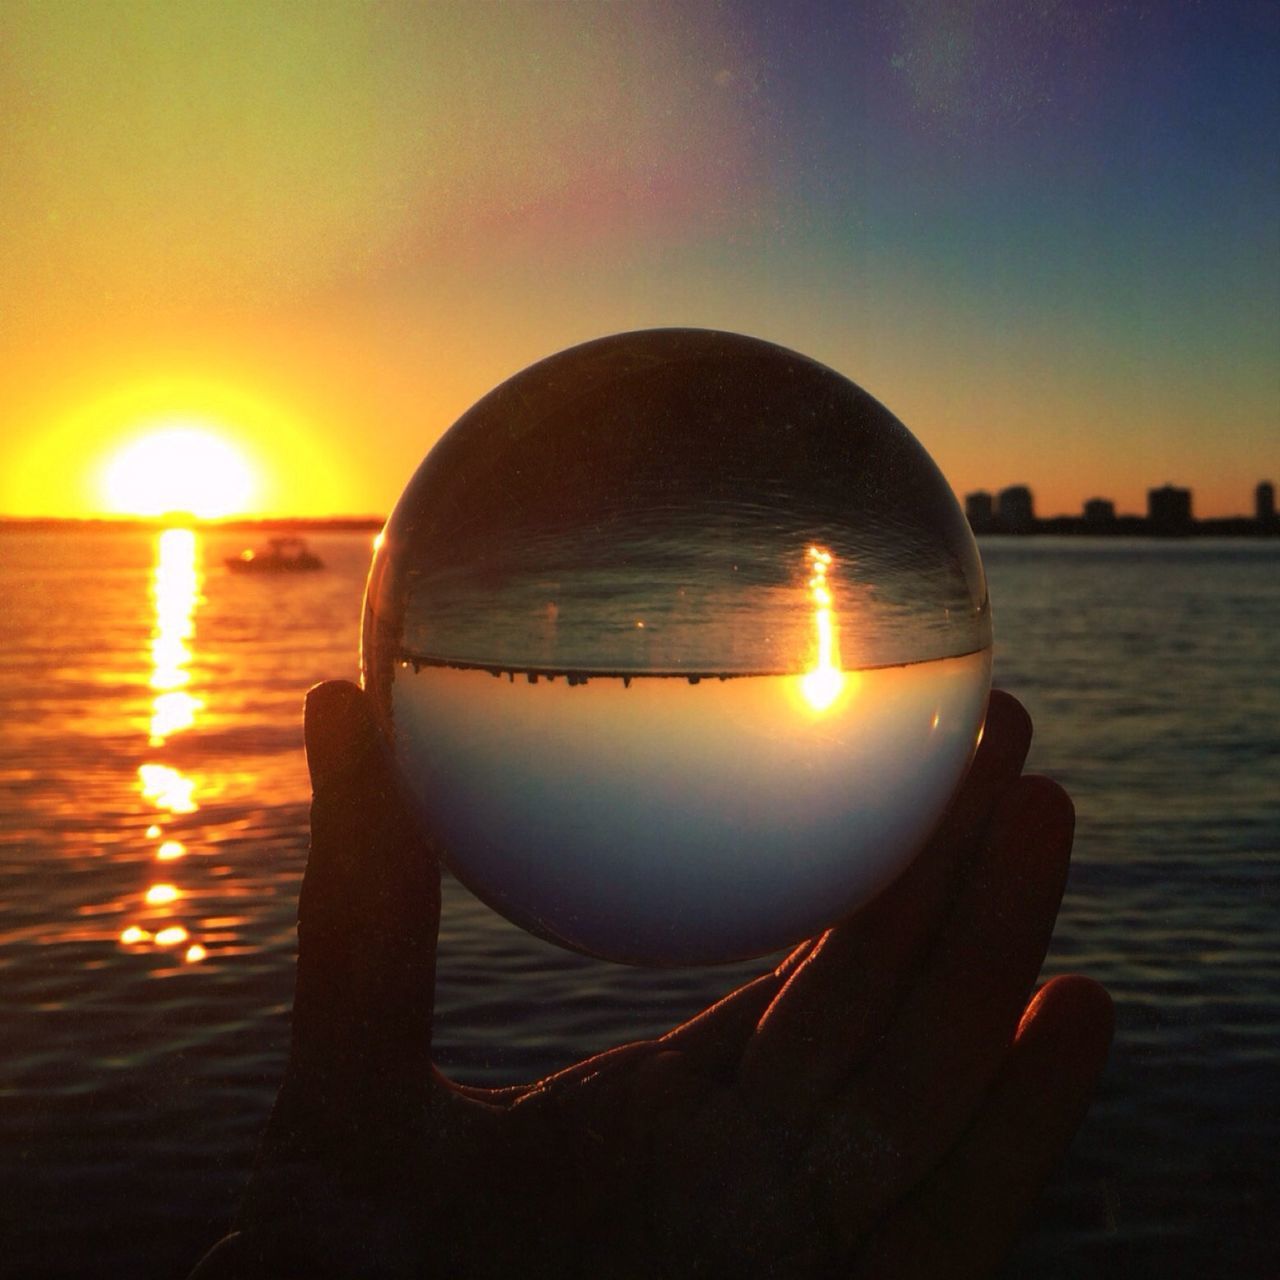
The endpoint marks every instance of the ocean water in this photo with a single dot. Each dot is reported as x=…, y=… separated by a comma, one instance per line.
x=153, y=805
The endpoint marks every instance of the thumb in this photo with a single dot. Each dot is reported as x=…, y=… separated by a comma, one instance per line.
x=367, y=921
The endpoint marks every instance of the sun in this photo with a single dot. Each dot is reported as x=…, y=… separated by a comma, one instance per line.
x=178, y=467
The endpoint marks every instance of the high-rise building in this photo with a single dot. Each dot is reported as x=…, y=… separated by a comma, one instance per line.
x=1169, y=509
x=1264, y=502
x=1015, y=509
x=980, y=510
x=1099, y=513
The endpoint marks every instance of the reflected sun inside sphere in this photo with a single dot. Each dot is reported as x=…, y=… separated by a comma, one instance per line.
x=178, y=468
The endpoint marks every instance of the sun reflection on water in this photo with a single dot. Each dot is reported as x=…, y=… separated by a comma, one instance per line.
x=175, y=591
x=167, y=788
x=175, y=595
x=824, y=681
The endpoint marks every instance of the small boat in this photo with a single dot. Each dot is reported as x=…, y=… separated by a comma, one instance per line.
x=281, y=555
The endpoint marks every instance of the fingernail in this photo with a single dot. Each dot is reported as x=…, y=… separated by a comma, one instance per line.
x=338, y=729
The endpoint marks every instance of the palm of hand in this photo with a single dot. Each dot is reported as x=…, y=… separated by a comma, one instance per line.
x=884, y=1103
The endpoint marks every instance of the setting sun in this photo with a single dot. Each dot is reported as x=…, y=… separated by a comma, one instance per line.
x=178, y=468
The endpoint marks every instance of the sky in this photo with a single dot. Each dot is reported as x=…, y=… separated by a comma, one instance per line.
x=1046, y=234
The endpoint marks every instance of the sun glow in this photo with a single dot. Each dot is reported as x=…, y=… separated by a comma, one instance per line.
x=178, y=468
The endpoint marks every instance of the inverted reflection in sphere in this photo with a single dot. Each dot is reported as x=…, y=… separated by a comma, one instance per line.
x=682, y=644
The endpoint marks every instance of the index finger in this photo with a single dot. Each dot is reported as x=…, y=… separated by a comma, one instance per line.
x=912, y=1097
x=841, y=998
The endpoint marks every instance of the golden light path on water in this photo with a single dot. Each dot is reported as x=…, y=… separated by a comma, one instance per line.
x=175, y=594
x=175, y=590
x=823, y=683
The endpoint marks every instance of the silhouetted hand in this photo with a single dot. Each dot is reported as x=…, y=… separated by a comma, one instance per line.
x=885, y=1103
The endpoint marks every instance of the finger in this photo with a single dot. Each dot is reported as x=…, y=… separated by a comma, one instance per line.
x=367, y=921
x=964, y=1219
x=711, y=1042
x=227, y=1261
x=714, y=1040
x=913, y=1096
x=840, y=999
x=1002, y=751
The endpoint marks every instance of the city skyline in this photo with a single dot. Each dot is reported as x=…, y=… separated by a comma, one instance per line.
x=1169, y=509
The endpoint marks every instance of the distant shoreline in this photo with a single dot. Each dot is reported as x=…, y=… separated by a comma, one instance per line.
x=1133, y=527
x=1060, y=526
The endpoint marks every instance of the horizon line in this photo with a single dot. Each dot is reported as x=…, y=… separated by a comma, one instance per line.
x=1119, y=523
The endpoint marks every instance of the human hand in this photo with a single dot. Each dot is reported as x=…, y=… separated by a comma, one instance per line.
x=885, y=1103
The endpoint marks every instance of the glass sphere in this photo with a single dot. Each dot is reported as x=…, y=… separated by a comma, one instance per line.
x=682, y=644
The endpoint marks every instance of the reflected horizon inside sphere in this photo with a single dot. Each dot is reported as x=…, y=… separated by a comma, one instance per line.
x=682, y=645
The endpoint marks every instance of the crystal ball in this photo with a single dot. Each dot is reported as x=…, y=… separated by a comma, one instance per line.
x=682, y=646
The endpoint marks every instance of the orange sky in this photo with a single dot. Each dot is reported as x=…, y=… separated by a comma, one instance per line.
x=323, y=235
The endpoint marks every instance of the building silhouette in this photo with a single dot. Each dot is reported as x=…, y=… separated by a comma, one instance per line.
x=1015, y=509
x=1099, y=513
x=1169, y=514
x=1169, y=509
x=1264, y=502
x=980, y=510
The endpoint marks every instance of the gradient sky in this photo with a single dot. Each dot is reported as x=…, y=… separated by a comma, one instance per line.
x=1046, y=235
